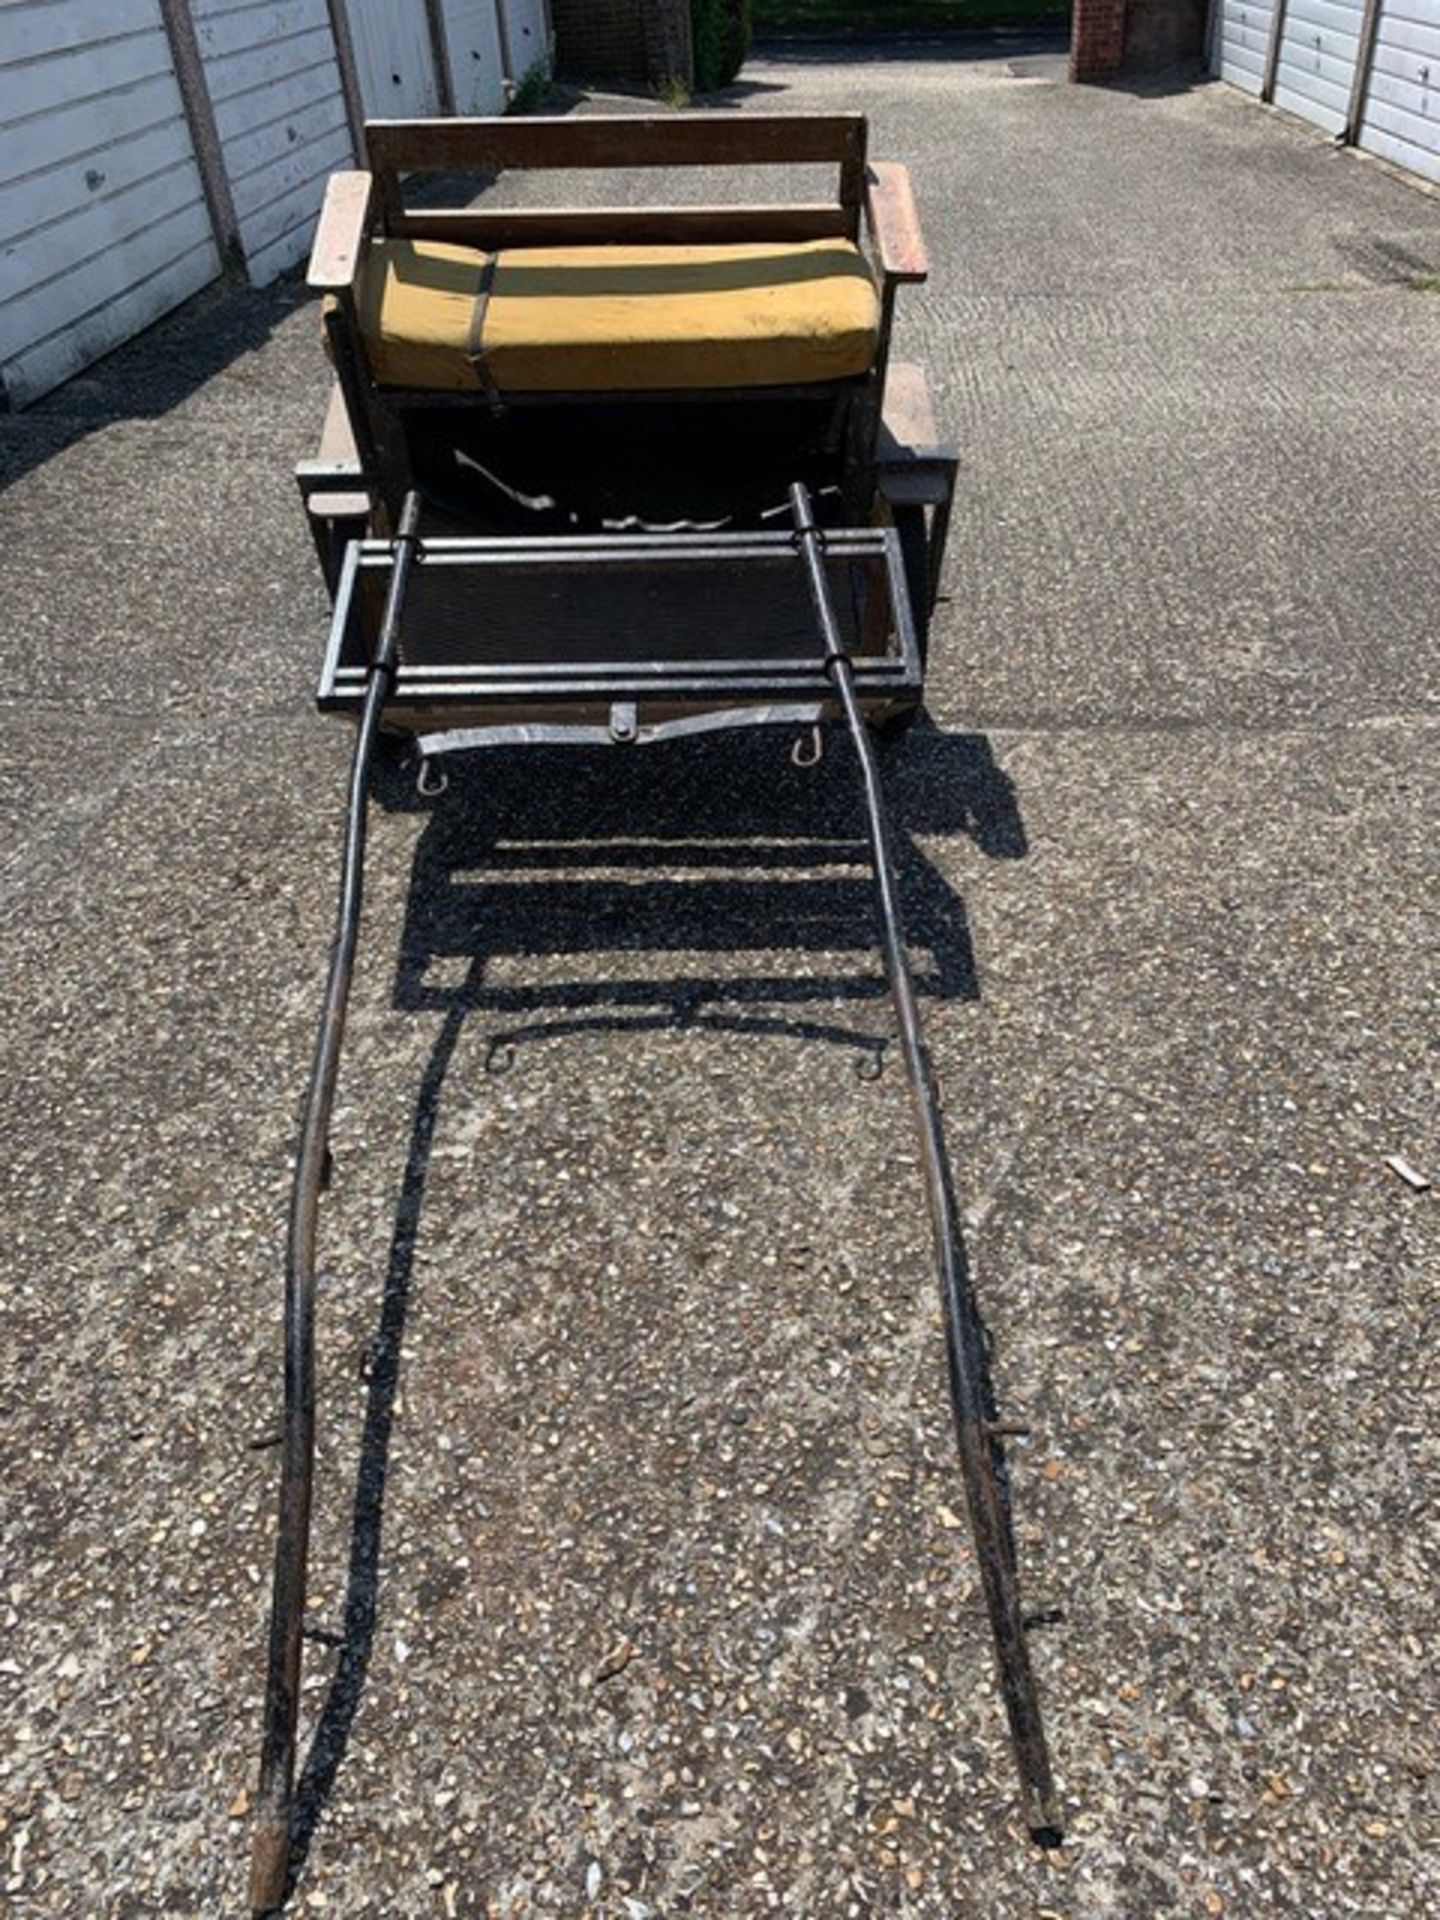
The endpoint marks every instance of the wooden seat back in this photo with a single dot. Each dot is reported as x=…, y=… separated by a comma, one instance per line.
x=620, y=144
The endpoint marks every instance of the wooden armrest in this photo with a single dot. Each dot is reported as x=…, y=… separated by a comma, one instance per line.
x=894, y=224
x=340, y=236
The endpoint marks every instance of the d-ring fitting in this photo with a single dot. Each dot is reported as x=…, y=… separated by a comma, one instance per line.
x=431, y=784
x=798, y=755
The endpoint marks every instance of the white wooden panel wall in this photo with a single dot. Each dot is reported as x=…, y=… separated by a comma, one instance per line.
x=394, y=58
x=477, y=66
x=1242, y=35
x=1319, y=43
x=103, y=223
x=1401, y=120
x=274, y=85
x=527, y=37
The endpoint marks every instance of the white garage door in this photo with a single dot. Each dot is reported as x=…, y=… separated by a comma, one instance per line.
x=527, y=39
x=1401, y=120
x=1319, y=43
x=394, y=58
x=1242, y=36
x=103, y=222
x=477, y=65
x=280, y=114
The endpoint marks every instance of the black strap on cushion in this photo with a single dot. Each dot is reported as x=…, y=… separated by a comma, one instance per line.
x=475, y=345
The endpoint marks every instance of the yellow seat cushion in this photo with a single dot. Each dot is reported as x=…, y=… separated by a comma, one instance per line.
x=616, y=319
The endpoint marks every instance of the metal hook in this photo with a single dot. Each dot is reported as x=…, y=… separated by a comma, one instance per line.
x=430, y=786
x=800, y=758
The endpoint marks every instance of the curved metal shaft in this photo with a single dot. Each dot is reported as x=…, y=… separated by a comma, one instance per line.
x=270, y=1860
x=979, y=1453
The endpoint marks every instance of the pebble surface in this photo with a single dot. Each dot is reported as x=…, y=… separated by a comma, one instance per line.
x=641, y=1585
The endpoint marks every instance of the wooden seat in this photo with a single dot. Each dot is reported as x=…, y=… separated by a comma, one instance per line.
x=617, y=319
x=752, y=322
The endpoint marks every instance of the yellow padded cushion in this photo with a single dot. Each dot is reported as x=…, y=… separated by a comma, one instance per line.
x=616, y=319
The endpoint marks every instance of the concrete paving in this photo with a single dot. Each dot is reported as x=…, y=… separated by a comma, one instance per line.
x=631, y=1365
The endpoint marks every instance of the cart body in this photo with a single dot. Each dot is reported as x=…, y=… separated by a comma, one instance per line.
x=612, y=474
x=596, y=403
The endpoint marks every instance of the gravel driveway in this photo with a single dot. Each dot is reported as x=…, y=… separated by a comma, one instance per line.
x=639, y=1587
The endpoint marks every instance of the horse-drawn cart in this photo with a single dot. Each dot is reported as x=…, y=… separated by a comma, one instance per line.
x=611, y=475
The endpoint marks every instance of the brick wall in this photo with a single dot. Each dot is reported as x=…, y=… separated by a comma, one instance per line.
x=642, y=42
x=1135, y=36
x=1097, y=38
x=1164, y=33
x=669, y=49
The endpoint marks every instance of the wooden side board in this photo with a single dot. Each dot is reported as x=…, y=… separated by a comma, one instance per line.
x=908, y=432
x=909, y=437
x=606, y=141
x=337, y=456
x=623, y=226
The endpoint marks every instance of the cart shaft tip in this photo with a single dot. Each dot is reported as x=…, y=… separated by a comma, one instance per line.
x=269, y=1863
x=1042, y=1816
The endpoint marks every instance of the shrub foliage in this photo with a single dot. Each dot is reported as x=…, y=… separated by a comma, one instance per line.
x=721, y=31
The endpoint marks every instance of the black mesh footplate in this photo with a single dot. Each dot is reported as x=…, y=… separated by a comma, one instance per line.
x=675, y=616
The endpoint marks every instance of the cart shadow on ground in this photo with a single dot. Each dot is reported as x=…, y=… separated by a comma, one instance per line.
x=722, y=846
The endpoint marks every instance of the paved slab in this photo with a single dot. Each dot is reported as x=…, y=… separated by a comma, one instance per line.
x=627, y=1331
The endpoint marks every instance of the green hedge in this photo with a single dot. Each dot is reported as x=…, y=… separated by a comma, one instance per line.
x=721, y=30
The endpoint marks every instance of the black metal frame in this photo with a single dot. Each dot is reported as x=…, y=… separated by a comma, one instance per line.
x=842, y=678
x=270, y=1864
x=978, y=1440
x=897, y=675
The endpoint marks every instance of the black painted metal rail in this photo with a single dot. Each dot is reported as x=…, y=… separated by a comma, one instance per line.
x=270, y=1861
x=977, y=1434
x=979, y=1447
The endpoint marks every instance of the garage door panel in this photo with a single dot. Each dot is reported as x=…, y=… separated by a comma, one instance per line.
x=1402, y=138
x=44, y=363
x=1242, y=37
x=238, y=25
x=1404, y=96
x=1403, y=36
x=90, y=189
x=1400, y=152
x=1298, y=70
x=90, y=286
x=1320, y=101
x=50, y=83
x=1332, y=20
x=266, y=63
x=275, y=86
x=1319, y=45
x=395, y=60
x=104, y=225
x=1401, y=116
x=38, y=28
x=291, y=208
x=273, y=164
x=1317, y=65
x=70, y=135
x=528, y=46
x=1244, y=67
x=477, y=65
